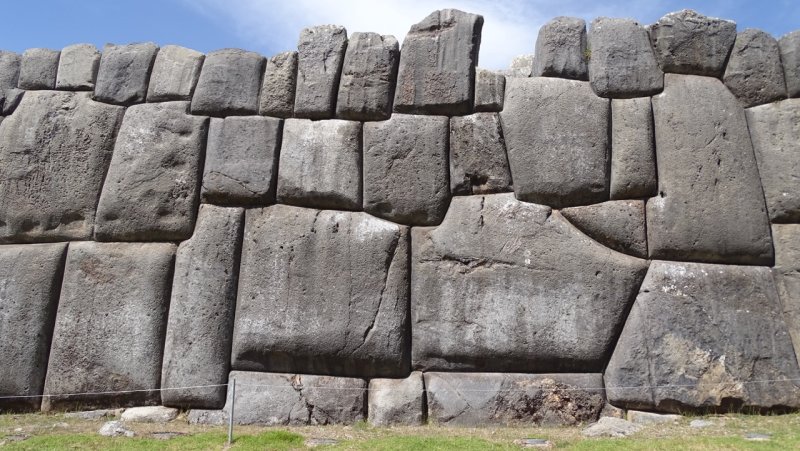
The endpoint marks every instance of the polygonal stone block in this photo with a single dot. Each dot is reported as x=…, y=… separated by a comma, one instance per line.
x=229, y=83
x=38, y=69
x=368, y=78
x=561, y=49
x=77, y=67
x=175, y=74
x=754, y=73
x=478, y=162
x=490, y=89
x=319, y=68
x=278, y=86
x=633, y=153
x=124, y=72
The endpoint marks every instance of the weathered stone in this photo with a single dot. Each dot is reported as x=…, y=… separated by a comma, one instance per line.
x=207, y=417
x=241, y=160
x=30, y=276
x=175, y=74
x=397, y=401
x=319, y=67
x=521, y=66
x=149, y=414
x=278, y=86
x=618, y=224
x=151, y=190
x=775, y=132
x=561, y=49
x=490, y=87
x=124, y=72
x=633, y=158
x=77, y=67
x=478, y=399
x=320, y=164
x=110, y=324
x=229, y=83
x=787, y=276
x=622, y=64
x=9, y=69
x=551, y=163
x=198, y=343
x=698, y=337
x=38, y=69
x=55, y=151
x=504, y=285
x=437, y=64
x=710, y=205
x=115, y=429
x=368, y=78
x=611, y=427
x=613, y=412
x=478, y=162
x=91, y=415
x=687, y=42
x=639, y=417
x=405, y=169
x=754, y=73
x=339, y=281
x=789, y=46
x=11, y=100
x=699, y=424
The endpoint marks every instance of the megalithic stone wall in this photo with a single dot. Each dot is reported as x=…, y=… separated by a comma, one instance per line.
x=364, y=229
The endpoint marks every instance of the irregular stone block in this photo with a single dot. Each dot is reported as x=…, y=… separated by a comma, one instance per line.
x=789, y=46
x=124, y=72
x=551, y=163
x=633, y=153
x=478, y=399
x=208, y=417
x=229, y=83
x=55, y=151
x=618, y=224
x=340, y=283
x=93, y=415
x=368, y=78
x=787, y=276
x=319, y=68
x=397, y=401
x=241, y=160
x=200, y=326
x=9, y=69
x=320, y=164
x=77, y=67
x=175, y=74
x=278, y=86
x=478, y=163
x=38, y=69
x=11, y=100
x=622, y=64
x=115, y=429
x=521, y=66
x=490, y=87
x=638, y=417
x=687, y=42
x=698, y=337
x=151, y=190
x=561, y=49
x=31, y=279
x=611, y=427
x=710, y=205
x=775, y=132
x=437, y=64
x=109, y=330
x=405, y=169
x=150, y=414
x=504, y=285
x=754, y=73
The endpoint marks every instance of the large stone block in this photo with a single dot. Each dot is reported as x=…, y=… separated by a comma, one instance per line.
x=77, y=67
x=561, y=49
x=633, y=153
x=152, y=190
x=504, y=285
x=319, y=68
x=109, y=332
x=368, y=78
x=30, y=276
x=754, y=73
x=704, y=337
x=397, y=401
x=790, y=59
x=490, y=88
x=618, y=224
x=175, y=74
x=200, y=326
x=787, y=276
x=478, y=162
x=556, y=133
x=9, y=69
x=437, y=64
x=710, y=205
x=55, y=151
x=38, y=69
x=278, y=86
x=229, y=83
x=405, y=169
x=124, y=72
x=322, y=292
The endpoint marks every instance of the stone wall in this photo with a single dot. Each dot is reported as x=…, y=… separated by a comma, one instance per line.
x=353, y=231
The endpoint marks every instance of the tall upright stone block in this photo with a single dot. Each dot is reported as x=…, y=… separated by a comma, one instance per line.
x=9, y=70
x=790, y=59
x=38, y=69
x=368, y=78
x=490, y=88
x=77, y=67
x=633, y=153
x=278, y=86
x=787, y=276
x=321, y=52
x=229, y=83
x=175, y=74
x=478, y=162
x=124, y=73
x=561, y=49
x=754, y=73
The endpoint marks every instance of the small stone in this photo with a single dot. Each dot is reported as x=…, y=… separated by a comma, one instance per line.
x=229, y=83
x=77, y=67
x=115, y=429
x=321, y=52
x=700, y=424
x=612, y=411
x=38, y=69
x=9, y=70
x=561, y=49
x=639, y=417
x=397, y=401
x=175, y=74
x=149, y=414
x=278, y=86
x=368, y=78
x=611, y=427
x=478, y=162
x=757, y=437
x=790, y=59
x=633, y=157
x=207, y=417
x=754, y=73
x=94, y=414
x=618, y=224
x=490, y=87
x=124, y=72
x=534, y=443
x=521, y=66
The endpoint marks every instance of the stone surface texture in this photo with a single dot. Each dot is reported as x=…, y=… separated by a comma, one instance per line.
x=77, y=67
x=175, y=74
x=397, y=401
x=490, y=87
x=369, y=74
x=9, y=69
x=611, y=427
x=321, y=51
x=561, y=49
x=115, y=429
x=38, y=69
x=521, y=66
x=124, y=73
x=787, y=276
x=639, y=417
x=633, y=157
x=754, y=73
x=278, y=86
x=478, y=162
x=229, y=83
x=618, y=224
x=149, y=414
x=789, y=46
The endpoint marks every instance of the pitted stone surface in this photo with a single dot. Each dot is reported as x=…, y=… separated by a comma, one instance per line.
x=229, y=83
x=754, y=73
x=77, y=67
x=175, y=74
x=9, y=69
x=397, y=401
x=124, y=73
x=478, y=163
x=490, y=87
x=319, y=68
x=790, y=59
x=787, y=276
x=504, y=285
x=618, y=224
x=521, y=66
x=368, y=78
x=278, y=85
x=38, y=69
x=561, y=49
x=633, y=153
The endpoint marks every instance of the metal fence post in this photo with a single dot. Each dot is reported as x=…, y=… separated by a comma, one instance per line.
x=230, y=415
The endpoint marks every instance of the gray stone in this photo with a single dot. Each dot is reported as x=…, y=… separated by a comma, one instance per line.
x=698, y=337
x=91, y=415
x=639, y=417
x=757, y=437
x=478, y=162
x=787, y=276
x=633, y=157
x=320, y=164
x=397, y=401
x=561, y=49
x=437, y=64
x=521, y=66
x=622, y=64
x=504, y=285
x=124, y=72
x=687, y=42
x=368, y=78
x=789, y=46
x=149, y=414
x=115, y=429
x=775, y=132
x=340, y=283
x=9, y=69
x=553, y=163
x=611, y=427
x=319, y=67
x=30, y=276
x=55, y=151
x=38, y=69
x=478, y=399
x=611, y=411
x=151, y=190
x=699, y=424
x=710, y=205
x=241, y=162
x=229, y=83
x=405, y=169
x=109, y=330
x=490, y=87
x=754, y=73
x=175, y=74
x=11, y=99
x=200, y=325
x=278, y=86
x=77, y=67
x=618, y=224
x=207, y=417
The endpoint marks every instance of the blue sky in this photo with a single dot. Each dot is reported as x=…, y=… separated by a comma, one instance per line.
x=272, y=26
